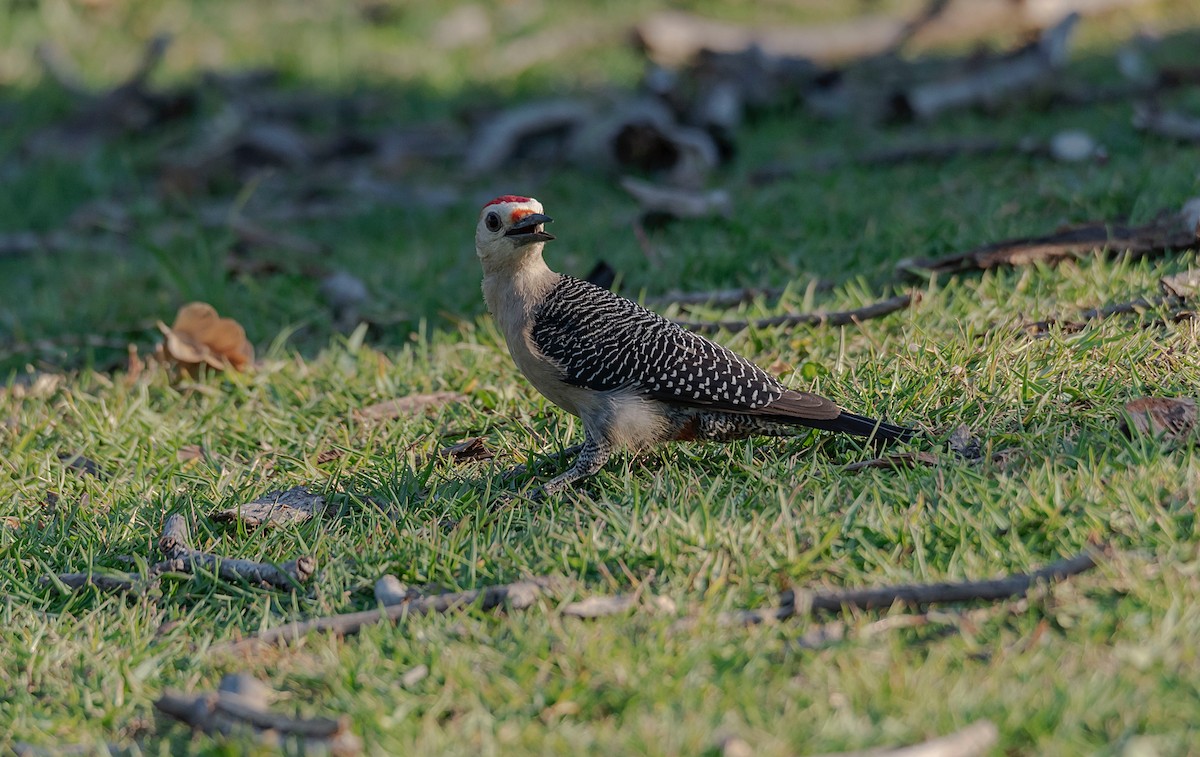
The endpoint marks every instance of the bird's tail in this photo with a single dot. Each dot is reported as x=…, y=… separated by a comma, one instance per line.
x=860, y=425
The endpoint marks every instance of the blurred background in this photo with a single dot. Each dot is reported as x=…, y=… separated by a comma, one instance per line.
x=310, y=167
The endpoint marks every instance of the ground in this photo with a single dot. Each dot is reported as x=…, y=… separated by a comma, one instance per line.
x=1102, y=663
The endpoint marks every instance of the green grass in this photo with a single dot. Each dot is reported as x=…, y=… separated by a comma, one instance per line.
x=1104, y=663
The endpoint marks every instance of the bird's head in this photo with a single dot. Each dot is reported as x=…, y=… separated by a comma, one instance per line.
x=510, y=229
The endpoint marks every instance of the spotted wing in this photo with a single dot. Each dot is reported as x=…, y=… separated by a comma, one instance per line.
x=604, y=342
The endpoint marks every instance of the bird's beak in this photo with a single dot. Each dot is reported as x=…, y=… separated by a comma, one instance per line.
x=528, y=229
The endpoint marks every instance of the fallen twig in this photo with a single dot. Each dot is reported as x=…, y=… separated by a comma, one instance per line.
x=1139, y=305
x=243, y=701
x=126, y=582
x=1170, y=124
x=842, y=318
x=794, y=603
x=127, y=107
x=1067, y=146
x=181, y=557
x=718, y=298
x=471, y=448
x=989, y=84
x=517, y=596
x=1166, y=234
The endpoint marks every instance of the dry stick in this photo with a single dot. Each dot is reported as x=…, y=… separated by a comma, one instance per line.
x=125, y=583
x=1140, y=305
x=517, y=596
x=522, y=595
x=204, y=711
x=180, y=556
x=930, y=13
x=1159, y=237
x=842, y=318
x=890, y=156
x=1164, y=80
x=998, y=79
x=883, y=597
x=719, y=298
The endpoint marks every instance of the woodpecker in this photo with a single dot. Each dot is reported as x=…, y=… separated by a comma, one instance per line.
x=634, y=378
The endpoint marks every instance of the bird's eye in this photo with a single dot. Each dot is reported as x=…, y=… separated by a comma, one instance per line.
x=492, y=221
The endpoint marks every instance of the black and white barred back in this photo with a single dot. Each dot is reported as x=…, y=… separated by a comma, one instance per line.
x=603, y=341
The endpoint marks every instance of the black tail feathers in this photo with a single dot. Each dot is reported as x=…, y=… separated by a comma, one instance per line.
x=860, y=425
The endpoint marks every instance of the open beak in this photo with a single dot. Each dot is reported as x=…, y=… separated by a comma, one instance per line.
x=528, y=229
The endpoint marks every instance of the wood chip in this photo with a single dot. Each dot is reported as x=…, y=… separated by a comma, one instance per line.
x=276, y=508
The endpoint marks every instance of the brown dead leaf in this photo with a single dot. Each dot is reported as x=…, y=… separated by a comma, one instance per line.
x=277, y=508
x=201, y=337
x=410, y=405
x=1183, y=285
x=1171, y=418
x=329, y=455
x=474, y=448
x=189, y=452
x=11, y=522
x=965, y=444
x=82, y=465
x=897, y=461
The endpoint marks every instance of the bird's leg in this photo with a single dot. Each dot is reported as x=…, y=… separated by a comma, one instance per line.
x=592, y=456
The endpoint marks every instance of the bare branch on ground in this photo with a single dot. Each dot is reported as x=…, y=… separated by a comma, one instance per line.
x=516, y=596
x=1170, y=232
x=793, y=603
x=839, y=318
x=242, y=701
x=174, y=544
